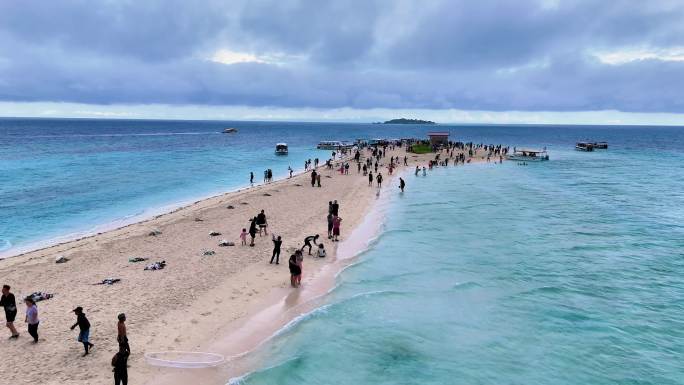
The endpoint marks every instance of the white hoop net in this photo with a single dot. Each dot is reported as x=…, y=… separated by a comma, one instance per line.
x=185, y=360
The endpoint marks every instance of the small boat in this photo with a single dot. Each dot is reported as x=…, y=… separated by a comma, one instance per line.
x=281, y=149
x=230, y=130
x=334, y=145
x=584, y=146
x=528, y=155
x=601, y=145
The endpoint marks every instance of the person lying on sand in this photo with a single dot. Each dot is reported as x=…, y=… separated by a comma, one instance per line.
x=156, y=266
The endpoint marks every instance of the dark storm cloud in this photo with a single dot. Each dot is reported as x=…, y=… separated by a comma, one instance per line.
x=485, y=55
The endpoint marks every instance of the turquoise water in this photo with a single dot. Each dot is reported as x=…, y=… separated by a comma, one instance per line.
x=565, y=272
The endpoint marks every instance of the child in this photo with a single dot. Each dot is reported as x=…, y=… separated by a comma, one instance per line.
x=243, y=237
x=320, y=253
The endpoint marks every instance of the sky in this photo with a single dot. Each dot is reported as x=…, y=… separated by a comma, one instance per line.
x=490, y=61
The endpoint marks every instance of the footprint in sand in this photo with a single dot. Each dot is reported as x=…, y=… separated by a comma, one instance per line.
x=205, y=314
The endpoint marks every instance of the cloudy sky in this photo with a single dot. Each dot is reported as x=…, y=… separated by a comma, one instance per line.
x=536, y=61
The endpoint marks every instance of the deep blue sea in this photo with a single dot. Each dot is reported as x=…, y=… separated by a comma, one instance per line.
x=564, y=272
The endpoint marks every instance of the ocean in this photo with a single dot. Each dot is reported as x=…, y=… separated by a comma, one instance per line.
x=562, y=272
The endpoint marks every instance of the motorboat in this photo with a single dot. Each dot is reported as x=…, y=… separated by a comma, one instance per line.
x=281, y=149
x=230, y=130
x=334, y=145
x=528, y=155
x=601, y=145
x=584, y=146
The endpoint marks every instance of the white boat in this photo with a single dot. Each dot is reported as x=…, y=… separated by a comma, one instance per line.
x=281, y=149
x=528, y=155
x=333, y=145
x=230, y=130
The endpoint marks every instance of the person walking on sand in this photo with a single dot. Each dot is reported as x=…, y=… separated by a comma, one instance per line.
x=313, y=178
x=9, y=303
x=243, y=237
x=330, y=224
x=252, y=230
x=121, y=336
x=335, y=208
x=120, y=366
x=336, y=228
x=318, y=180
x=262, y=223
x=370, y=178
x=277, y=242
x=379, y=179
x=32, y=318
x=402, y=184
x=308, y=240
x=295, y=270
x=84, y=329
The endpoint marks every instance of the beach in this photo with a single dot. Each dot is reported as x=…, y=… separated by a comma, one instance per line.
x=198, y=302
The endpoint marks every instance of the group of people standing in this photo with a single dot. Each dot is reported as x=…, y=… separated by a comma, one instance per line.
x=119, y=360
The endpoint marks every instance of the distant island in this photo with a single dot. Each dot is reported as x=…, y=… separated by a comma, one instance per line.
x=408, y=121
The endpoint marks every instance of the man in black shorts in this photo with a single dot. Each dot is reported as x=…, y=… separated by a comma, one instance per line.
x=308, y=240
x=8, y=302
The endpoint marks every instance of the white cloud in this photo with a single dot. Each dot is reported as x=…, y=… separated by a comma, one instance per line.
x=617, y=57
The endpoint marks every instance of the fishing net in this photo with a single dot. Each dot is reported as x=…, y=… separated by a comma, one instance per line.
x=185, y=360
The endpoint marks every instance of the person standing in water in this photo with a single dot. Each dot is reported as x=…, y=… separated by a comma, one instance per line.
x=277, y=242
x=9, y=303
x=32, y=318
x=402, y=184
x=84, y=329
x=251, y=177
x=290, y=170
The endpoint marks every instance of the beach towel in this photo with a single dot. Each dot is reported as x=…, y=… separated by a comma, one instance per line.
x=137, y=259
x=156, y=266
x=214, y=234
x=41, y=296
x=108, y=281
x=209, y=252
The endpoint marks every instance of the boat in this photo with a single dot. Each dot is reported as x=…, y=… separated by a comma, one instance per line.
x=334, y=145
x=584, y=146
x=281, y=149
x=230, y=130
x=601, y=145
x=528, y=155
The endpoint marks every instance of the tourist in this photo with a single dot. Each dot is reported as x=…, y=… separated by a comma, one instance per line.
x=318, y=180
x=320, y=253
x=402, y=184
x=379, y=179
x=243, y=237
x=295, y=268
x=330, y=224
x=121, y=336
x=261, y=222
x=336, y=228
x=313, y=178
x=84, y=329
x=330, y=209
x=290, y=170
x=277, y=242
x=265, y=176
x=269, y=173
x=424, y=171
x=32, y=318
x=120, y=364
x=252, y=230
x=417, y=170
x=300, y=263
x=405, y=161
x=251, y=177
x=308, y=240
x=370, y=178
x=8, y=302
x=335, y=208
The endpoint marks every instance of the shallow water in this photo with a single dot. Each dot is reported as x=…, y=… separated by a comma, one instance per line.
x=565, y=272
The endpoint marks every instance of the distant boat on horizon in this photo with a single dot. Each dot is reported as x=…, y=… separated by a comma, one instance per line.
x=230, y=130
